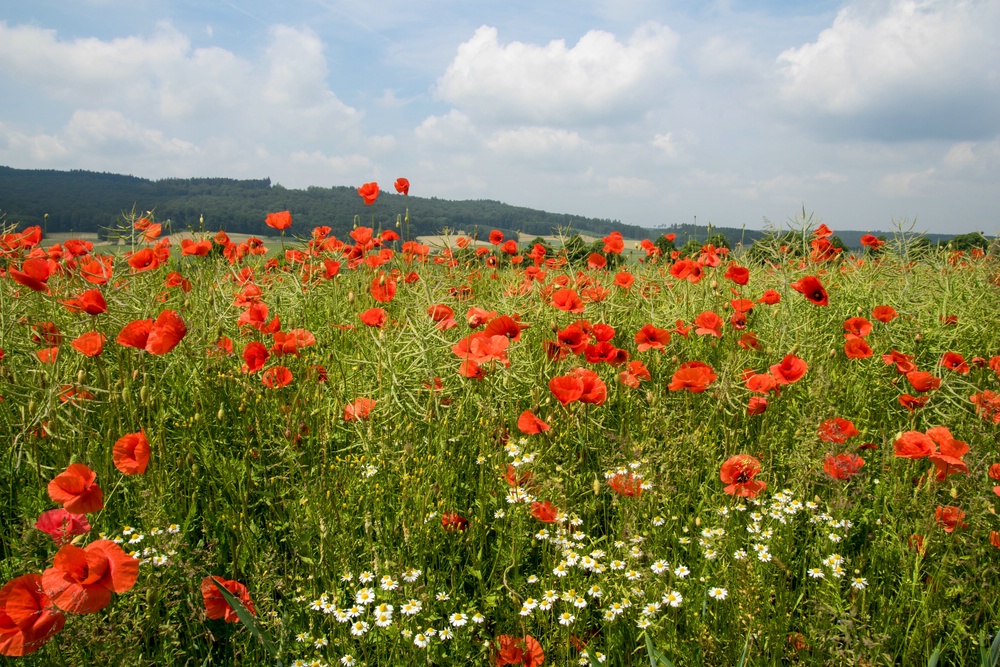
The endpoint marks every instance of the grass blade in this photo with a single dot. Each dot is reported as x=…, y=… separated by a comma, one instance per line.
x=935, y=656
x=248, y=620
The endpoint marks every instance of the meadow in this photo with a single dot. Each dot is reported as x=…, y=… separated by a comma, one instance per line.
x=392, y=453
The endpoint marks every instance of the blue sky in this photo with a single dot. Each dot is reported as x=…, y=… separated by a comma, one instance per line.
x=868, y=113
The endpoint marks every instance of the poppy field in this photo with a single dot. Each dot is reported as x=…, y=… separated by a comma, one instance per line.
x=312, y=450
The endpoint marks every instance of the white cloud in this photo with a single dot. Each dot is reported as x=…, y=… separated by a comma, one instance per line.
x=597, y=79
x=666, y=143
x=905, y=184
x=904, y=69
x=454, y=129
x=534, y=141
x=275, y=102
x=629, y=185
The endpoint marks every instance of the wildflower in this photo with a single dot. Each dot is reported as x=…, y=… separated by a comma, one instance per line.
x=76, y=490
x=388, y=583
x=347, y=660
x=738, y=472
x=216, y=606
x=843, y=466
x=812, y=289
x=445, y=634
x=566, y=618
x=816, y=573
x=359, y=628
x=366, y=577
x=365, y=596
x=949, y=518
x=859, y=583
x=420, y=640
x=442, y=597
x=659, y=567
x=458, y=619
x=673, y=598
x=718, y=593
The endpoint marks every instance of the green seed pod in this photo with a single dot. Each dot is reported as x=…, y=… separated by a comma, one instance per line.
x=143, y=394
x=221, y=414
x=81, y=376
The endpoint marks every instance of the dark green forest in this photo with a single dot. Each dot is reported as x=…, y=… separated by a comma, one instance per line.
x=86, y=201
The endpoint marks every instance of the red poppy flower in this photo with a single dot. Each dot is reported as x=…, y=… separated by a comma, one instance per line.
x=81, y=581
x=857, y=348
x=48, y=355
x=596, y=261
x=812, y=289
x=200, y=248
x=987, y=405
x=62, y=526
x=922, y=381
x=837, y=430
x=636, y=373
x=34, y=274
x=791, y=369
x=545, y=511
x=97, y=270
x=358, y=409
x=709, y=323
x=27, y=617
x=871, y=241
x=884, y=314
x=624, y=280
x=383, y=288
x=843, y=466
x=568, y=300
x=955, y=362
x=694, y=376
x=738, y=274
x=276, y=377
x=453, y=522
x=505, y=325
x=529, y=424
x=374, y=317
x=496, y=237
x=686, y=269
x=165, y=333
x=903, y=362
x=131, y=453
x=216, y=606
x=738, y=473
x=254, y=356
x=769, y=297
x=913, y=445
x=605, y=352
x=90, y=344
x=76, y=490
x=911, y=402
x=629, y=484
x=369, y=192
x=949, y=517
x=402, y=186
x=994, y=471
x=143, y=260
x=524, y=651
x=948, y=459
x=91, y=302
x=651, y=338
x=281, y=220
x=857, y=326
x=757, y=405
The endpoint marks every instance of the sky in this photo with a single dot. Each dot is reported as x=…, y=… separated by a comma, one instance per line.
x=866, y=114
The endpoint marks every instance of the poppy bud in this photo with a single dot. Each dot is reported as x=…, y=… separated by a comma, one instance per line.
x=221, y=414
x=350, y=297
x=714, y=285
x=919, y=337
x=597, y=486
x=81, y=376
x=142, y=394
x=833, y=354
x=135, y=374
x=697, y=521
x=31, y=406
x=553, y=326
x=197, y=417
x=954, y=492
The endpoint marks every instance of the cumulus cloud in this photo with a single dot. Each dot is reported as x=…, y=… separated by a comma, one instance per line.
x=534, y=141
x=905, y=184
x=900, y=69
x=115, y=91
x=596, y=80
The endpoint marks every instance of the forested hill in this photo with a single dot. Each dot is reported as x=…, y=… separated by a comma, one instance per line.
x=85, y=201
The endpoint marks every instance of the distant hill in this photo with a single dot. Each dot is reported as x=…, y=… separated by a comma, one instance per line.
x=86, y=201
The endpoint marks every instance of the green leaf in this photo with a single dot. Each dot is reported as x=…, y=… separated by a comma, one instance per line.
x=935, y=656
x=656, y=657
x=248, y=620
x=994, y=651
